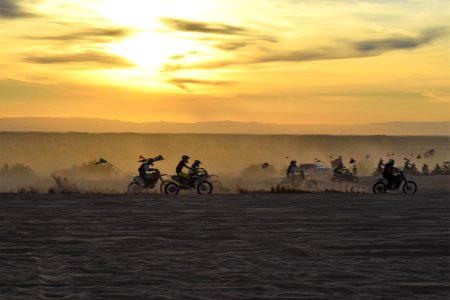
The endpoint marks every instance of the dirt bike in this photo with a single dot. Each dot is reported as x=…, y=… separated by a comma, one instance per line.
x=382, y=185
x=139, y=185
x=345, y=175
x=198, y=181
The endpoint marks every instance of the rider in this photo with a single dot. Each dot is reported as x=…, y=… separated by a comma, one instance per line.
x=195, y=167
x=179, y=169
x=380, y=166
x=339, y=170
x=292, y=168
x=388, y=172
x=144, y=168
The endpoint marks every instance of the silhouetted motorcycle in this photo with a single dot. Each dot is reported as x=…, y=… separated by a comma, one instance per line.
x=140, y=185
x=198, y=181
x=382, y=185
x=344, y=175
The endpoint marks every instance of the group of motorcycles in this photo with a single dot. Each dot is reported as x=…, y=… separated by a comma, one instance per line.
x=201, y=181
x=155, y=182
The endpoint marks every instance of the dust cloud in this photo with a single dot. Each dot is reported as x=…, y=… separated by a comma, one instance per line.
x=65, y=162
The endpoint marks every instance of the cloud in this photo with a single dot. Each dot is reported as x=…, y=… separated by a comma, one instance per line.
x=182, y=82
x=202, y=27
x=340, y=50
x=89, y=34
x=398, y=43
x=231, y=46
x=10, y=9
x=88, y=58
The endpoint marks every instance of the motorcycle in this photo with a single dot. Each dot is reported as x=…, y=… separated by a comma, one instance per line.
x=344, y=175
x=382, y=185
x=139, y=185
x=198, y=181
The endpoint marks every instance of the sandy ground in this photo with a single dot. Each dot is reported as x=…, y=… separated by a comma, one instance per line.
x=226, y=246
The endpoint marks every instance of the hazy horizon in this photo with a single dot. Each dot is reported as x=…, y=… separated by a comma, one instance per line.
x=98, y=125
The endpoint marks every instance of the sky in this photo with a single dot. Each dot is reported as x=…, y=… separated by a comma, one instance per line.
x=271, y=61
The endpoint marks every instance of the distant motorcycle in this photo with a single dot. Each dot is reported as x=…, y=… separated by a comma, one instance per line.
x=382, y=185
x=139, y=185
x=344, y=175
x=198, y=181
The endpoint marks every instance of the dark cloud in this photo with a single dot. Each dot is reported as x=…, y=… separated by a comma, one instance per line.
x=89, y=35
x=88, y=58
x=341, y=50
x=10, y=9
x=397, y=43
x=202, y=27
x=182, y=82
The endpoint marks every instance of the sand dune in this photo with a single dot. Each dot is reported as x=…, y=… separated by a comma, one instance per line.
x=225, y=246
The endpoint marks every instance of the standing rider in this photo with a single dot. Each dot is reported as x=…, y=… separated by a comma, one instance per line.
x=183, y=164
x=292, y=168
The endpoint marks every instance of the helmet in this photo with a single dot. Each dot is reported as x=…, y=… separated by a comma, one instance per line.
x=150, y=161
x=293, y=162
x=185, y=157
x=391, y=161
x=197, y=162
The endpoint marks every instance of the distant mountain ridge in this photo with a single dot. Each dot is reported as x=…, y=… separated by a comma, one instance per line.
x=95, y=125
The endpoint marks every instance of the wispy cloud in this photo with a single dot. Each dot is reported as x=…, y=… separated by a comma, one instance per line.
x=338, y=50
x=378, y=46
x=10, y=9
x=182, y=82
x=92, y=34
x=88, y=58
x=202, y=27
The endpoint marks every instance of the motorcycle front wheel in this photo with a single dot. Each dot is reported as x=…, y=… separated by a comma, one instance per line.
x=204, y=187
x=134, y=188
x=410, y=187
x=379, y=188
x=171, y=188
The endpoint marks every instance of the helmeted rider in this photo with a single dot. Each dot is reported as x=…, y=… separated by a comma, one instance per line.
x=181, y=165
x=195, y=167
x=292, y=168
x=388, y=172
x=144, y=168
x=339, y=170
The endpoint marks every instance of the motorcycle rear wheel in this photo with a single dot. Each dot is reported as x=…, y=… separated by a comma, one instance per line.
x=162, y=186
x=379, y=188
x=410, y=187
x=134, y=188
x=204, y=187
x=172, y=188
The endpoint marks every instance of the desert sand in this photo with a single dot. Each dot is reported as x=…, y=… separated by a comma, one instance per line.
x=226, y=246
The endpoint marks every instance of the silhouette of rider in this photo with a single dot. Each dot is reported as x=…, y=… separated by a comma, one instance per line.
x=292, y=168
x=195, y=167
x=144, y=168
x=388, y=173
x=181, y=165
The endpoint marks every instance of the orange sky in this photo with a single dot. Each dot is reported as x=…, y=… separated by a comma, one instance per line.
x=273, y=61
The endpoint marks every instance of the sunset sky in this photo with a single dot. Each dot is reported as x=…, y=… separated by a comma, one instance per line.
x=272, y=61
